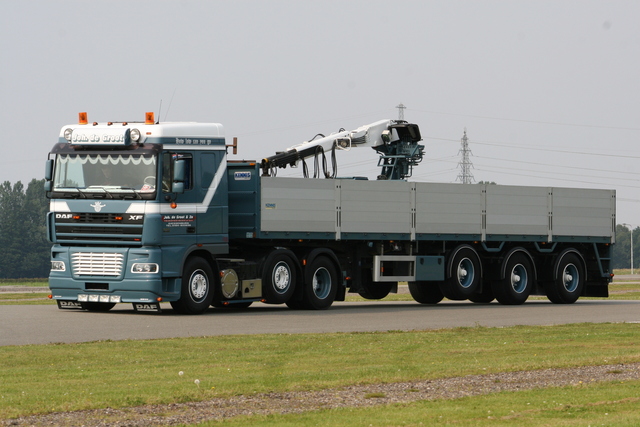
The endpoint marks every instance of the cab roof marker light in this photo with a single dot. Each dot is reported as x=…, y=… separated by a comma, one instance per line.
x=68, y=133
x=82, y=118
x=149, y=118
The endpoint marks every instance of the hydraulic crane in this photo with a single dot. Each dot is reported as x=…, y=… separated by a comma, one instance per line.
x=395, y=141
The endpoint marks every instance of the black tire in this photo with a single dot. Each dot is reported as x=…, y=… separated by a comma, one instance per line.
x=569, y=280
x=97, y=306
x=516, y=286
x=320, y=284
x=426, y=292
x=485, y=296
x=197, y=287
x=279, y=277
x=373, y=290
x=463, y=274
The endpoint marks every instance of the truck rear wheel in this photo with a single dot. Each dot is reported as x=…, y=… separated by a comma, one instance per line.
x=279, y=277
x=463, y=275
x=517, y=283
x=197, y=291
x=567, y=286
x=425, y=292
x=320, y=284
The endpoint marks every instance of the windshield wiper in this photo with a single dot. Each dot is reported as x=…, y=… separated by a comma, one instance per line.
x=72, y=193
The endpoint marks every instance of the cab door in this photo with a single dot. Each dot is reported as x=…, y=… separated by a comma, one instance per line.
x=179, y=210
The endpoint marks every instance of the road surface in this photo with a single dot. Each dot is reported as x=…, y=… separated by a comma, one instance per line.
x=42, y=324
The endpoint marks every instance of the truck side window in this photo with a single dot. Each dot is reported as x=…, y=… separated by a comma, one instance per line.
x=168, y=162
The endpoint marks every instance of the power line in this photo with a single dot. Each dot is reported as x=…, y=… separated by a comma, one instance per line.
x=529, y=121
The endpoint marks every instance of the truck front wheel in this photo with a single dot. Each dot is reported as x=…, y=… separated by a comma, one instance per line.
x=197, y=292
x=320, y=285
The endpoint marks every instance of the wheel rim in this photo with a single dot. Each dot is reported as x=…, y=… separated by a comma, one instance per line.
x=321, y=283
x=466, y=272
x=281, y=277
x=519, y=278
x=570, y=277
x=198, y=285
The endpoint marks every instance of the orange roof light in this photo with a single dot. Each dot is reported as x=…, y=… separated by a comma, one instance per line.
x=82, y=118
x=149, y=118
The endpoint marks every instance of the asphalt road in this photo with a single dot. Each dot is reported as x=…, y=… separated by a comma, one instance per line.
x=42, y=324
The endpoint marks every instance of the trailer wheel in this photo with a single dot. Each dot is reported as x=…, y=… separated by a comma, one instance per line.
x=320, y=284
x=463, y=275
x=425, y=292
x=517, y=283
x=373, y=290
x=97, y=306
x=278, y=278
x=197, y=290
x=567, y=286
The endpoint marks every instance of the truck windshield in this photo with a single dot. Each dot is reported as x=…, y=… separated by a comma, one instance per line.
x=109, y=174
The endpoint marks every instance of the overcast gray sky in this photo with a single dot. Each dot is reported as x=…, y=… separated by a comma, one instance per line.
x=549, y=91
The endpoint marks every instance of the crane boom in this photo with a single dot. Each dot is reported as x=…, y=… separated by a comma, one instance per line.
x=395, y=141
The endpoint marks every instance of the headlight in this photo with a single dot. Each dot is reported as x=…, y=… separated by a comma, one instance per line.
x=68, y=133
x=144, y=267
x=135, y=135
x=58, y=266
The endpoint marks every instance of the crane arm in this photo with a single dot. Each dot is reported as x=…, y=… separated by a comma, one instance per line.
x=378, y=135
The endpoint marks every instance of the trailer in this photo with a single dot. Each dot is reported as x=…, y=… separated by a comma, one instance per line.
x=149, y=212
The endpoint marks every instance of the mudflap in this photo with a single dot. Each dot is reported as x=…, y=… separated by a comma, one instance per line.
x=69, y=305
x=147, y=307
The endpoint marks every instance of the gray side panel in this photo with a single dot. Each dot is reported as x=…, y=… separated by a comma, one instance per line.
x=375, y=206
x=335, y=207
x=517, y=210
x=303, y=205
x=449, y=208
x=582, y=212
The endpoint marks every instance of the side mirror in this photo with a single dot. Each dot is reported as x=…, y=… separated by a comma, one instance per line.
x=48, y=175
x=178, y=176
x=177, y=187
x=178, y=170
x=48, y=170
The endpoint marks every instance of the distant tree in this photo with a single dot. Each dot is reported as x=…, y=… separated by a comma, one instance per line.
x=24, y=250
x=37, y=259
x=487, y=182
x=11, y=229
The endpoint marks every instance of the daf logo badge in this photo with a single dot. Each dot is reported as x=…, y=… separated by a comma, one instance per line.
x=97, y=206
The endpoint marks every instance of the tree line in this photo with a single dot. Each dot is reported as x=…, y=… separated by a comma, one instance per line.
x=25, y=250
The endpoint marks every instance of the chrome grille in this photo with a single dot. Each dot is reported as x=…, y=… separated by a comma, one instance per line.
x=97, y=264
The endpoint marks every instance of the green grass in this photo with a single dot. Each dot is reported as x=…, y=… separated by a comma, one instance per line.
x=609, y=404
x=30, y=298
x=24, y=282
x=63, y=377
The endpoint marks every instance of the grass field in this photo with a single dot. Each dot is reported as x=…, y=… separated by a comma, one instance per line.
x=66, y=377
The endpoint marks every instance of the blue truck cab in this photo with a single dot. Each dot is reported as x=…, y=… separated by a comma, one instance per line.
x=129, y=203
